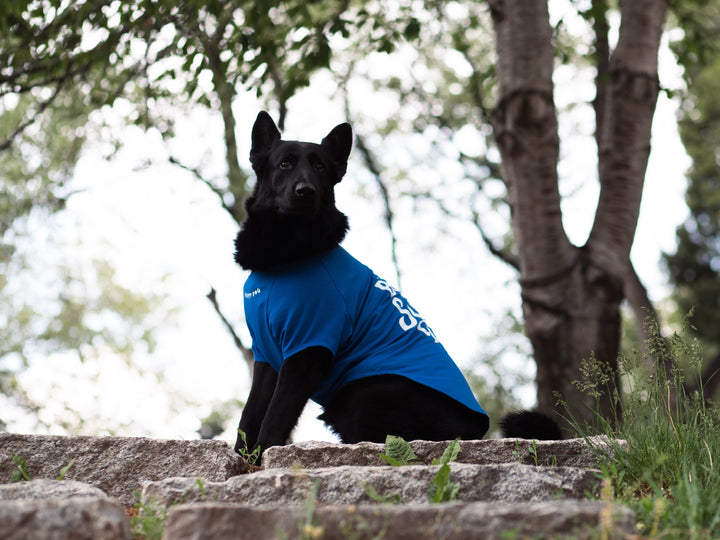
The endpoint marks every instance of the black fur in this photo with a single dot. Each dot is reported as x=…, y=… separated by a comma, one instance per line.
x=292, y=213
x=530, y=425
x=369, y=409
x=291, y=216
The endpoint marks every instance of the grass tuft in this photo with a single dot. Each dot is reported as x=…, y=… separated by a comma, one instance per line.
x=669, y=474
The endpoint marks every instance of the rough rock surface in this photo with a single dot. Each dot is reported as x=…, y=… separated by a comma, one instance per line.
x=48, y=489
x=567, y=453
x=78, y=518
x=505, y=490
x=347, y=485
x=574, y=519
x=118, y=465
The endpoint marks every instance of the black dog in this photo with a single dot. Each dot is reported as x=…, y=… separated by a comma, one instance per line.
x=324, y=327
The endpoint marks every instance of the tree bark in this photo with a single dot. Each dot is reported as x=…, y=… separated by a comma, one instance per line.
x=571, y=295
x=625, y=133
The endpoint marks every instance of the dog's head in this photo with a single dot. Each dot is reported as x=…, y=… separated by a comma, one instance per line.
x=296, y=178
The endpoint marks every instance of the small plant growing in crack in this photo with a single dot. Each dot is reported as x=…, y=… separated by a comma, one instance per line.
x=251, y=457
x=21, y=473
x=147, y=519
x=307, y=529
x=398, y=452
x=442, y=489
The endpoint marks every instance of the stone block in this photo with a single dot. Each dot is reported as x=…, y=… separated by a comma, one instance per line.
x=75, y=518
x=512, y=482
x=567, y=453
x=118, y=465
x=48, y=489
x=462, y=521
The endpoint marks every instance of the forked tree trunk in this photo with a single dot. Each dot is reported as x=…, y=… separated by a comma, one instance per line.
x=571, y=295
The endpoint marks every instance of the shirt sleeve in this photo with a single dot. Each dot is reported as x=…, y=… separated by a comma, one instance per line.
x=307, y=310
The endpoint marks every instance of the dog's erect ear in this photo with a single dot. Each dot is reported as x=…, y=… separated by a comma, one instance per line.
x=339, y=142
x=264, y=135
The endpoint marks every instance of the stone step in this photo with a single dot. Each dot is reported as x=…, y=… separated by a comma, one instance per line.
x=118, y=465
x=340, y=485
x=76, y=518
x=48, y=489
x=512, y=482
x=60, y=509
x=567, y=453
x=462, y=521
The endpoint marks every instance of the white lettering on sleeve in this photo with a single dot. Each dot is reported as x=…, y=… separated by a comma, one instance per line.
x=409, y=318
x=254, y=293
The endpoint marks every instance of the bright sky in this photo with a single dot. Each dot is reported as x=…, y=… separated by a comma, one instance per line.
x=160, y=222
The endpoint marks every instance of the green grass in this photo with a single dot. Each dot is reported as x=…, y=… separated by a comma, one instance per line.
x=21, y=473
x=148, y=520
x=670, y=475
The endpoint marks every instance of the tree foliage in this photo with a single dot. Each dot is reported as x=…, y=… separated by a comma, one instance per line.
x=695, y=265
x=64, y=64
x=474, y=95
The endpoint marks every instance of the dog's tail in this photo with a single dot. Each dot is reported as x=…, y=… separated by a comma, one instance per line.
x=530, y=425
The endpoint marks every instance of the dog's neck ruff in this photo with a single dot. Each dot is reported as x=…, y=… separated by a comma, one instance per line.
x=268, y=239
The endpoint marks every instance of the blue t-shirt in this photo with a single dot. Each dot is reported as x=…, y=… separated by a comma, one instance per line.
x=335, y=301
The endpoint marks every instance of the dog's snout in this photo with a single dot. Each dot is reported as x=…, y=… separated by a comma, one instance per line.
x=303, y=189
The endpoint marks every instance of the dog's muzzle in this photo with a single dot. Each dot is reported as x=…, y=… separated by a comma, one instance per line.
x=304, y=199
x=303, y=190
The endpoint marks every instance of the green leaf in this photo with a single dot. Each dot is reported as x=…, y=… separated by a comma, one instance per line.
x=443, y=475
x=452, y=491
x=451, y=452
x=442, y=489
x=21, y=474
x=371, y=492
x=391, y=460
x=65, y=469
x=250, y=457
x=399, y=451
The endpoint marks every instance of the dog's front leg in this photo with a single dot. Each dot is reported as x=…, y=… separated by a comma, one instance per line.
x=261, y=392
x=299, y=378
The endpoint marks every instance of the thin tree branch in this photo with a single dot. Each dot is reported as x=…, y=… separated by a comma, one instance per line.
x=374, y=169
x=498, y=252
x=71, y=73
x=280, y=94
x=231, y=209
x=225, y=93
x=482, y=161
x=494, y=168
x=4, y=145
x=485, y=114
x=245, y=351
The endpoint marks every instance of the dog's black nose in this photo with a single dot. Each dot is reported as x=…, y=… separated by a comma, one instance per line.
x=303, y=189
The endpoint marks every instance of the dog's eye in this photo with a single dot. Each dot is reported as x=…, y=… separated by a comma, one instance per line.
x=320, y=167
x=285, y=164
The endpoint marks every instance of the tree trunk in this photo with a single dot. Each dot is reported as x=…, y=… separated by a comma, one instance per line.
x=571, y=295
